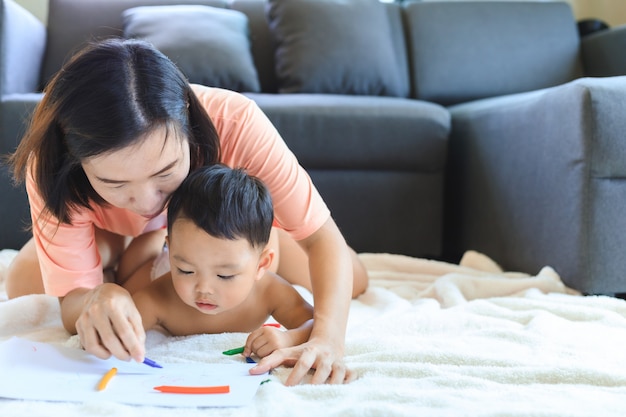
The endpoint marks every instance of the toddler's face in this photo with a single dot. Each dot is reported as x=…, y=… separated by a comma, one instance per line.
x=210, y=274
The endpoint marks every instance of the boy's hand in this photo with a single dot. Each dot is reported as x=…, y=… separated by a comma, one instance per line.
x=265, y=340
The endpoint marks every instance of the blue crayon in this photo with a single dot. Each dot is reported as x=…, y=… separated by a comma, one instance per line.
x=151, y=363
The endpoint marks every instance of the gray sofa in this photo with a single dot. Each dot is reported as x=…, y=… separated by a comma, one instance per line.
x=452, y=126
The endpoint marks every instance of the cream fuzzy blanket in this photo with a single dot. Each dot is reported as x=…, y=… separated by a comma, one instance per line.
x=427, y=338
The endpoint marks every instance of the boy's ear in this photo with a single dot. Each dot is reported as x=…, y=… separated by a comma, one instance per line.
x=265, y=262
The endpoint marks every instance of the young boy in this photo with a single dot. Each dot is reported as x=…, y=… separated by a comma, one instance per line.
x=219, y=223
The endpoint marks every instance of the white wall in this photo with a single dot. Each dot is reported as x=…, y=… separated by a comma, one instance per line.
x=611, y=11
x=39, y=8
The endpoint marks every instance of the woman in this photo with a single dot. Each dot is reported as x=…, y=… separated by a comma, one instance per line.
x=117, y=131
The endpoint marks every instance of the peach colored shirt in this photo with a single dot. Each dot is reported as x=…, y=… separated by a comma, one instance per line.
x=68, y=254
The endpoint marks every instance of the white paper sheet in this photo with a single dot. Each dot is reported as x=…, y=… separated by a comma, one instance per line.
x=40, y=371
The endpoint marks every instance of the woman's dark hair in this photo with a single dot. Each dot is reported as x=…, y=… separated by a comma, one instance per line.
x=108, y=96
x=226, y=203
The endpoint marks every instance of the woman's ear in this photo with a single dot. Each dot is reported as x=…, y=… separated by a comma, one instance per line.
x=265, y=261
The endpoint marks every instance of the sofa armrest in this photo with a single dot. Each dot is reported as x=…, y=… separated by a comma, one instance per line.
x=537, y=179
x=22, y=46
x=603, y=53
x=15, y=114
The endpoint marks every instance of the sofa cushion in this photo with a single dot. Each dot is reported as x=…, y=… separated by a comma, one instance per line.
x=462, y=51
x=378, y=162
x=345, y=132
x=210, y=45
x=335, y=47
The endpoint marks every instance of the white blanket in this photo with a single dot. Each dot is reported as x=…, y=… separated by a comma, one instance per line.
x=427, y=338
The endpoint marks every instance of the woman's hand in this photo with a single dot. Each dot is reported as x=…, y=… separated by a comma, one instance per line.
x=107, y=322
x=325, y=358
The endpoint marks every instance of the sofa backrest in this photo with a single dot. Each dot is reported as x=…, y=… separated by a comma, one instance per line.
x=261, y=40
x=452, y=52
x=461, y=51
x=73, y=22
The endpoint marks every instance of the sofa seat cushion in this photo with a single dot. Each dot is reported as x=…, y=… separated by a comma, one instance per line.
x=15, y=107
x=210, y=45
x=336, y=47
x=360, y=133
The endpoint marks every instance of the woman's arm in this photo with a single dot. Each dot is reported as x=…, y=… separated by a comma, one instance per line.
x=331, y=277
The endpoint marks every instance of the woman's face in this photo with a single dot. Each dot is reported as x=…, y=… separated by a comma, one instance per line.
x=142, y=176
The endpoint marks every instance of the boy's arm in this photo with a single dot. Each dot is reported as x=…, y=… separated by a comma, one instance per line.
x=300, y=334
x=289, y=309
x=287, y=306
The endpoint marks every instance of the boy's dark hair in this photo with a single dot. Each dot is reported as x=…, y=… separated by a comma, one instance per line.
x=107, y=97
x=226, y=203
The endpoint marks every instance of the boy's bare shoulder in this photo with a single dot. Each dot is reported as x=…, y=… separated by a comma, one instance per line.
x=276, y=291
x=283, y=301
x=160, y=289
x=158, y=296
x=271, y=282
